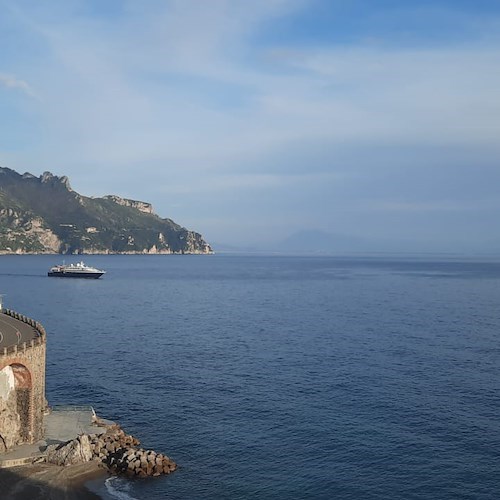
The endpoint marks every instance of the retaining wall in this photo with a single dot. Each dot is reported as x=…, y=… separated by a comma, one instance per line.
x=22, y=387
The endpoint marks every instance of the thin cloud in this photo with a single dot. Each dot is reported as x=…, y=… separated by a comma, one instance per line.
x=210, y=102
x=11, y=82
x=434, y=206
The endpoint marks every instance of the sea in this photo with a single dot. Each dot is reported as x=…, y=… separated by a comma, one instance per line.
x=282, y=377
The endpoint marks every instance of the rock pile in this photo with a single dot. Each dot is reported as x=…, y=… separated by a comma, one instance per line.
x=139, y=463
x=73, y=452
x=114, y=449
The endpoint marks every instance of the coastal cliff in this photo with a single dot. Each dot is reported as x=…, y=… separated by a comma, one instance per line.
x=45, y=215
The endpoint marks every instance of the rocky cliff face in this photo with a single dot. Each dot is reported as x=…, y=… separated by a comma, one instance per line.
x=45, y=215
x=142, y=206
x=22, y=233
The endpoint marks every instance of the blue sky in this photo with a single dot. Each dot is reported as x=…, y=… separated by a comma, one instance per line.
x=250, y=120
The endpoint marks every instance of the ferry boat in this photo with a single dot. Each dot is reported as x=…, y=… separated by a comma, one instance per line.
x=78, y=270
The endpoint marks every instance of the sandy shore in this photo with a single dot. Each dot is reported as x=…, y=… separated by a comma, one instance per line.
x=49, y=482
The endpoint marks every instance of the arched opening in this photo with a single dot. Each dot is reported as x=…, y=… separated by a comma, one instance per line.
x=23, y=388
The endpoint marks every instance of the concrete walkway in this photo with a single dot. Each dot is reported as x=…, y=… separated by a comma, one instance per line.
x=61, y=425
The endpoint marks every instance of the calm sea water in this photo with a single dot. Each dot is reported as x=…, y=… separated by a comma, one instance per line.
x=282, y=377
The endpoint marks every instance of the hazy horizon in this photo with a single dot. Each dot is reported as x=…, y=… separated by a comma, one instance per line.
x=250, y=122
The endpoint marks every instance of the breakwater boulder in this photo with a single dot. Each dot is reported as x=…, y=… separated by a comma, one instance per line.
x=115, y=450
x=73, y=452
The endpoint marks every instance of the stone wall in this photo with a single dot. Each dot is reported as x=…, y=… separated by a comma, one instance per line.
x=22, y=388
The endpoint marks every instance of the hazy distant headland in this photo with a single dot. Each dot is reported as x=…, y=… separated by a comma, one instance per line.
x=315, y=242
x=43, y=215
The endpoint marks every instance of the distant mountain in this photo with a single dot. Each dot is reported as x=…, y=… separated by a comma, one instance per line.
x=44, y=215
x=315, y=241
x=220, y=247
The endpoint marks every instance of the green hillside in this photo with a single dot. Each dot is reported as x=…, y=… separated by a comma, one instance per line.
x=44, y=215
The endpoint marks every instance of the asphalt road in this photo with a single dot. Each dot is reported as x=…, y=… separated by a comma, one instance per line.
x=13, y=331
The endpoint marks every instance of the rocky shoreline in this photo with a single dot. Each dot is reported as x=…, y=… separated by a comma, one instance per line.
x=114, y=450
x=63, y=469
x=66, y=470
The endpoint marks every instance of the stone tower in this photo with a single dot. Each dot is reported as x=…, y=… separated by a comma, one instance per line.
x=22, y=379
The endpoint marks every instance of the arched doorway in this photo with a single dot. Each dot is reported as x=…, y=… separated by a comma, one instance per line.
x=23, y=388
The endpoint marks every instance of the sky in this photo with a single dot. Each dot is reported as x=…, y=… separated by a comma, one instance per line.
x=249, y=121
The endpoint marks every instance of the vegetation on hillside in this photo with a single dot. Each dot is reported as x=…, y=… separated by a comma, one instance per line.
x=44, y=215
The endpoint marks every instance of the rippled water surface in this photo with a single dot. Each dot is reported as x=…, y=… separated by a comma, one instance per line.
x=282, y=377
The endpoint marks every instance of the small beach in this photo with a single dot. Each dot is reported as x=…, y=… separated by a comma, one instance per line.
x=50, y=482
